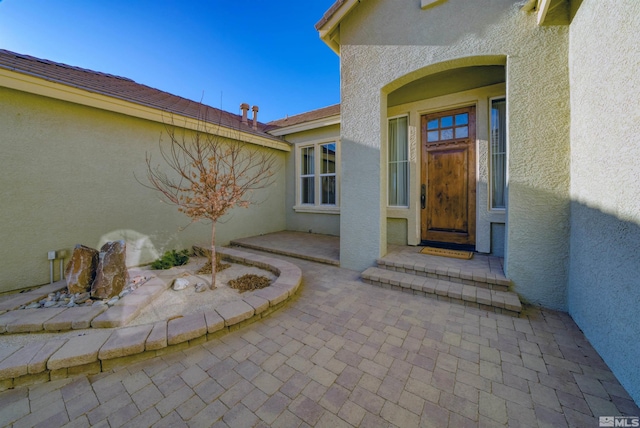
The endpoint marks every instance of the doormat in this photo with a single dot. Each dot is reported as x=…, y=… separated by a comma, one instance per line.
x=456, y=254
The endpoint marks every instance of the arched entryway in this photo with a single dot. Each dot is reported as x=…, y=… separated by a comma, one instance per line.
x=455, y=155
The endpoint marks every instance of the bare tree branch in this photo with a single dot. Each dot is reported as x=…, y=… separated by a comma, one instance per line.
x=209, y=175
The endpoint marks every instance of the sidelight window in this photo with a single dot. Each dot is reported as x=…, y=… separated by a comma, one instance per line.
x=398, y=162
x=498, y=152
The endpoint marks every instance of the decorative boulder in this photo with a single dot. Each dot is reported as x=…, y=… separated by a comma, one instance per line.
x=112, y=275
x=180, y=284
x=81, y=269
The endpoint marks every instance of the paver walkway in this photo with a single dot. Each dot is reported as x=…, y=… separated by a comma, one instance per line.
x=345, y=353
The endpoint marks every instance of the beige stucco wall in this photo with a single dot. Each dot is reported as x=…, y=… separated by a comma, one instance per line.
x=604, y=281
x=67, y=177
x=327, y=223
x=385, y=45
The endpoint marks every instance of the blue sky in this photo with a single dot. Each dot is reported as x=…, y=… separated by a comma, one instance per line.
x=264, y=53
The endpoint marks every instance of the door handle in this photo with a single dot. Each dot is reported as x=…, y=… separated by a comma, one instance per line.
x=423, y=196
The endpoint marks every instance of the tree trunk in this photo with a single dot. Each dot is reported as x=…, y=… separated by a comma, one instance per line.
x=213, y=256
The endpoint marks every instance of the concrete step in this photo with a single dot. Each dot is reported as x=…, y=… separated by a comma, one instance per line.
x=297, y=253
x=504, y=302
x=427, y=268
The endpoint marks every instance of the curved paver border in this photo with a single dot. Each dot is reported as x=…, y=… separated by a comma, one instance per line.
x=101, y=350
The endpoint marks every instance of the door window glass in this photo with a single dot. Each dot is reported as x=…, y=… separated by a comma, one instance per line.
x=448, y=128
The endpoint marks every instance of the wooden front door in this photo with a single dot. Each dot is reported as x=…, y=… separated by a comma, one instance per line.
x=448, y=188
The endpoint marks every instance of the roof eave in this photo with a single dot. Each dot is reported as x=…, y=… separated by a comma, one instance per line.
x=43, y=87
x=306, y=126
x=329, y=26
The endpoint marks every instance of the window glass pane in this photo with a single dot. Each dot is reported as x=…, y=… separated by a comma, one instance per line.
x=432, y=136
x=446, y=122
x=399, y=160
x=462, y=119
x=393, y=139
x=462, y=132
x=328, y=158
x=403, y=140
x=401, y=197
x=307, y=190
x=393, y=183
x=398, y=147
x=432, y=124
x=498, y=152
x=328, y=188
x=446, y=134
x=307, y=164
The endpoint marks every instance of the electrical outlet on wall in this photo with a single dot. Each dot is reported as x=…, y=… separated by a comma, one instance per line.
x=51, y=255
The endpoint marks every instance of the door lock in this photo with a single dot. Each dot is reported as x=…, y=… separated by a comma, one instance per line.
x=423, y=196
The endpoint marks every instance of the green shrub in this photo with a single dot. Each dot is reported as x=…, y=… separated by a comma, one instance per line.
x=170, y=259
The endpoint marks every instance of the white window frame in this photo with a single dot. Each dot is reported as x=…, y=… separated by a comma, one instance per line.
x=408, y=163
x=490, y=150
x=317, y=206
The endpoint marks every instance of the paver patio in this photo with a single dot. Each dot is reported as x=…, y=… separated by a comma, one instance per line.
x=345, y=353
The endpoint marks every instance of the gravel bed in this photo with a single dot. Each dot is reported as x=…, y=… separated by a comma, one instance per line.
x=171, y=303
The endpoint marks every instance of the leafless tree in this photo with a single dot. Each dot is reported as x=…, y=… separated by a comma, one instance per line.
x=208, y=174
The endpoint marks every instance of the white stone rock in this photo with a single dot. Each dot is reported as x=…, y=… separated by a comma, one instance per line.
x=180, y=284
x=200, y=287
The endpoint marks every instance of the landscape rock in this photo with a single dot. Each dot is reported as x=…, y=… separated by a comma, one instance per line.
x=112, y=275
x=200, y=287
x=81, y=269
x=180, y=284
x=81, y=298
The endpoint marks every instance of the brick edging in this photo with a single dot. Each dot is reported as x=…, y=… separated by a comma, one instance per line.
x=100, y=350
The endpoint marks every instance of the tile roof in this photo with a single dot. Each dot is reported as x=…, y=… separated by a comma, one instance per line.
x=309, y=116
x=124, y=89
x=329, y=13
